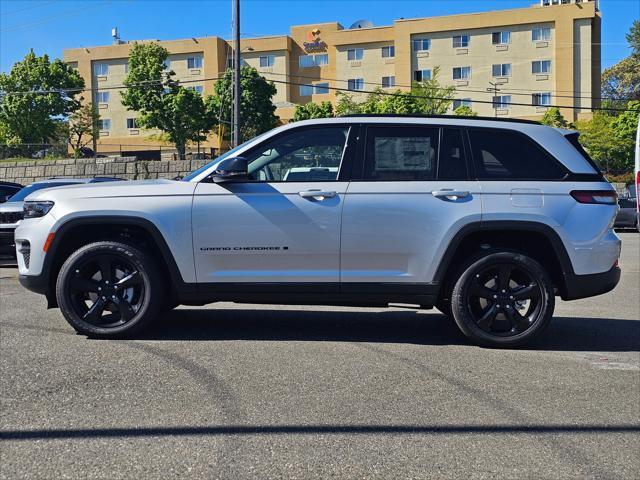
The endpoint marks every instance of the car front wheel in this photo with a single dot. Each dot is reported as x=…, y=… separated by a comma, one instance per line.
x=503, y=299
x=109, y=290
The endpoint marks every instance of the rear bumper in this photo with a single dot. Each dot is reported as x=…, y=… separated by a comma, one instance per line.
x=583, y=286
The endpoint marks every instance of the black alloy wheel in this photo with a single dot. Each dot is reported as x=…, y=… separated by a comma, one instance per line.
x=106, y=290
x=503, y=299
x=109, y=290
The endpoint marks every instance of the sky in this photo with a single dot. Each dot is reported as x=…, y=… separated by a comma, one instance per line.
x=51, y=26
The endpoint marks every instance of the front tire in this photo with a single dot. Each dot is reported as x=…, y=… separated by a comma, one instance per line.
x=503, y=299
x=109, y=290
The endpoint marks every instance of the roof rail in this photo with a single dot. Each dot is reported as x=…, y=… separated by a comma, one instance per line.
x=454, y=117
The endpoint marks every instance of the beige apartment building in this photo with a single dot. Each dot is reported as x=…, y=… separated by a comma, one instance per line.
x=547, y=54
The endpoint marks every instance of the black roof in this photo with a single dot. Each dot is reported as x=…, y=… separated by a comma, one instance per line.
x=454, y=117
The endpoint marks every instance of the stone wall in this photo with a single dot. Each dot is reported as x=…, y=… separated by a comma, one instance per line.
x=25, y=172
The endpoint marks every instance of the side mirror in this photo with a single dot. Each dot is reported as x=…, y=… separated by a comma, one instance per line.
x=231, y=169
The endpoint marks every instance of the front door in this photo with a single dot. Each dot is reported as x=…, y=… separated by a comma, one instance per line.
x=409, y=196
x=282, y=225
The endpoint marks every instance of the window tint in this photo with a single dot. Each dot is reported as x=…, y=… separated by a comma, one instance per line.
x=501, y=154
x=452, y=163
x=401, y=153
x=309, y=155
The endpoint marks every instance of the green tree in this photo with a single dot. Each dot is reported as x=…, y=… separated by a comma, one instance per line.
x=427, y=97
x=257, y=110
x=181, y=113
x=82, y=127
x=554, y=118
x=54, y=91
x=625, y=125
x=611, y=152
x=621, y=82
x=312, y=110
x=465, y=111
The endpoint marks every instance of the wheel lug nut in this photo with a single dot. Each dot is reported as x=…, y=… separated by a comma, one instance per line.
x=503, y=291
x=495, y=296
x=99, y=288
x=498, y=306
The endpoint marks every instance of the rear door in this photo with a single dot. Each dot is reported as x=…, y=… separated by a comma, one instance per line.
x=409, y=196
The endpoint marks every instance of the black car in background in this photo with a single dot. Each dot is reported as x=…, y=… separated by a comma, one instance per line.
x=7, y=189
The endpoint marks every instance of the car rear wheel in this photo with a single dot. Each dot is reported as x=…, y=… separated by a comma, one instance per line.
x=109, y=290
x=503, y=299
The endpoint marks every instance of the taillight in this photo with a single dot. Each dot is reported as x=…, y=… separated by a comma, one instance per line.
x=602, y=197
x=638, y=188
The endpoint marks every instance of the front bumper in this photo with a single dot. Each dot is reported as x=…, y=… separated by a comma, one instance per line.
x=583, y=286
x=7, y=246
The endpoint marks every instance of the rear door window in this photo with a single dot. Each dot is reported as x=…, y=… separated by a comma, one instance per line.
x=401, y=153
x=509, y=155
x=452, y=163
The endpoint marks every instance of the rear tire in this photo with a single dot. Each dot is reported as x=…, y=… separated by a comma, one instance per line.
x=109, y=290
x=502, y=299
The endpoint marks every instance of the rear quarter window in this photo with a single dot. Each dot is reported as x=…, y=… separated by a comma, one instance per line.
x=509, y=155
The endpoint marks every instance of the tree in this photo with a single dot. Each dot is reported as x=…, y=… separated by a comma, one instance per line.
x=427, y=97
x=611, y=152
x=312, y=110
x=257, y=110
x=181, y=113
x=621, y=82
x=554, y=118
x=82, y=127
x=464, y=111
x=54, y=91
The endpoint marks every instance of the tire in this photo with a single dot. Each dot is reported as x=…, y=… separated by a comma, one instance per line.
x=502, y=299
x=109, y=290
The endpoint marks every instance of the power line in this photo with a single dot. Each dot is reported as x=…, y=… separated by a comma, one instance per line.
x=509, y=91
x=24, y=9
x=285, y=82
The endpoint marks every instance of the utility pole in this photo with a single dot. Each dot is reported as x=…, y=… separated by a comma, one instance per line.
x=236, y=75
x=494, y=89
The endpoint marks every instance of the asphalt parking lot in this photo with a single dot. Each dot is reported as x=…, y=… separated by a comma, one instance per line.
x=243, y=391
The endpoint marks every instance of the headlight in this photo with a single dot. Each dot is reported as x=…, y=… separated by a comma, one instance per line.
x=36, y=209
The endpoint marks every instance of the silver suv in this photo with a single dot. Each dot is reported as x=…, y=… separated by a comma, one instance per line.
x=486, y=220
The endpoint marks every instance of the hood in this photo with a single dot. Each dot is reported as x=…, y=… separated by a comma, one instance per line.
x=137, y=188
x=11, y=207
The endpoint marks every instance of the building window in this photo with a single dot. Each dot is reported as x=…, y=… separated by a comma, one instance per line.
x=500, y=38
x=131, y=123
x=389, y=51
x=541, y=99
x=167, y=65
x=501, y=70
x=421, y=44
x=388, y=82
x=101, y=69
x=104, y=124
x=102, y=97
x=422, y=75
x=541, y=66
x=198, y=89
x=355, y=84
x=461, y=102
x=460, y=41
x=126, y=67
x=541, y=34
x=501, y=101
x=307, y=61
x=321, y=88
x=194, y=62
x=306, y=90
x=267, y=61
x=355, y=54
x=461, y=73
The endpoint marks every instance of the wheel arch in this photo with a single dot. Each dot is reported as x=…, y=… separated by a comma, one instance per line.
x=75, y=232
x=537, y=239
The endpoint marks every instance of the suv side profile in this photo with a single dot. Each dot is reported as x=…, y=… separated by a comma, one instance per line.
x=486, y=220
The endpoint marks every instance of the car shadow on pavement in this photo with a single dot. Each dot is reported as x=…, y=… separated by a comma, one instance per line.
x=392, y=326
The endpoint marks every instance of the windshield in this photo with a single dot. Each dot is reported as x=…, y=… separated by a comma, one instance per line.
x=197, y=172
x=24, y=192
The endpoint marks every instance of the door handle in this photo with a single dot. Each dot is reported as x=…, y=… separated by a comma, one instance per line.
x=317, y=194
x=450, y=194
